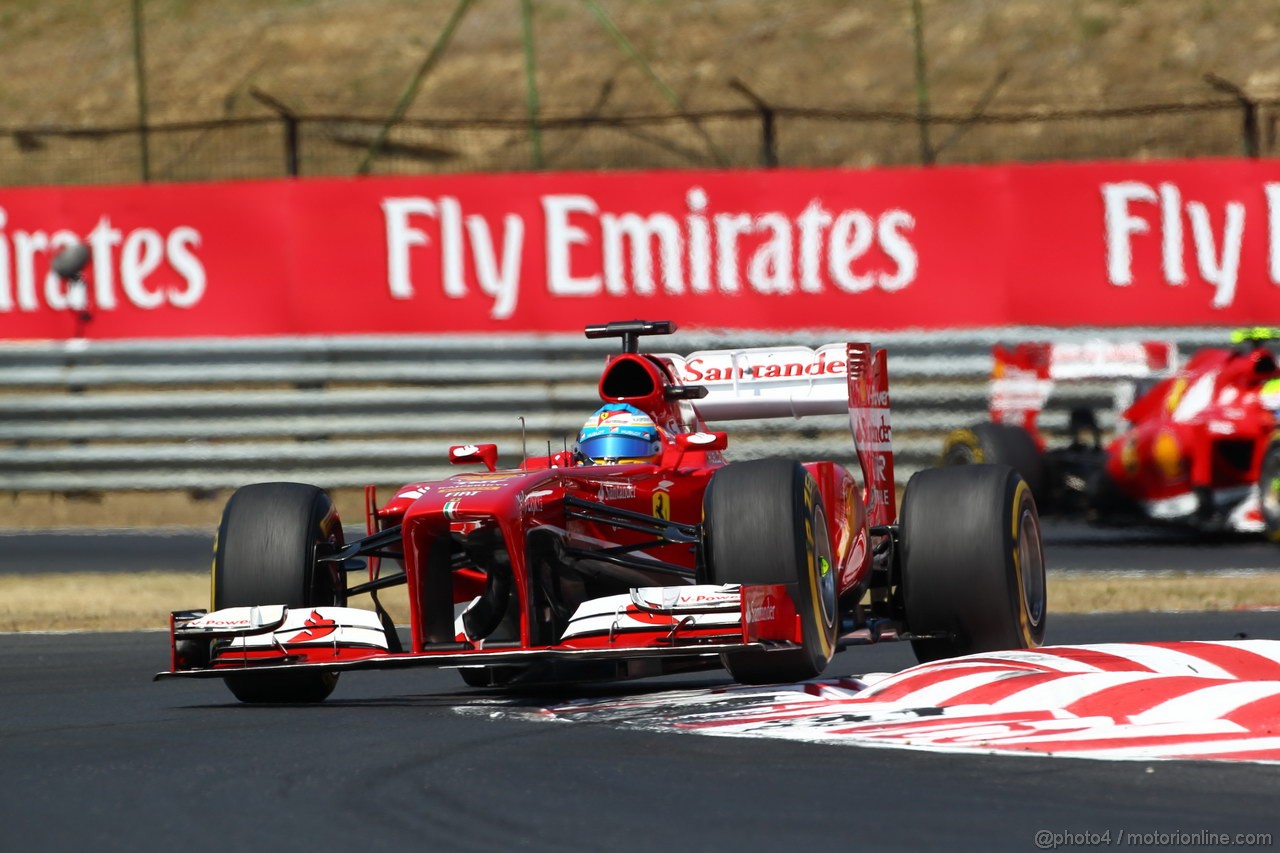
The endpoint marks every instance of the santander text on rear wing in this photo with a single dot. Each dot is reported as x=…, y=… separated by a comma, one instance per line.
x=767, y=382
x=1023, y=376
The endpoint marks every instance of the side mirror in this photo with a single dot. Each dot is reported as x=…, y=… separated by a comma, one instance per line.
x=702, y=441
x=685, y=442
x=466, y=454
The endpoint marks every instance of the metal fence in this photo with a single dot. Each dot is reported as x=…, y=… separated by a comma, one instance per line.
x=764, y=135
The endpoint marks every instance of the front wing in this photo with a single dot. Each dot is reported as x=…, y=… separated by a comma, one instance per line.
x=653, y=622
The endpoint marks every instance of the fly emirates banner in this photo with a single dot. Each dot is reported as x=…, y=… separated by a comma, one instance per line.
x=1124, y=244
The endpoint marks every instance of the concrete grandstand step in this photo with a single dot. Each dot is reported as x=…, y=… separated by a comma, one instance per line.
x=169, y=454
x=514, y=396
x=374, y=400
x=294, y=373
x=228, y=477
x=301, y=373
x=209, y=413
x=481, y=424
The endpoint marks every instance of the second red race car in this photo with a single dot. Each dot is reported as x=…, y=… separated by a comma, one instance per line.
x=1197, y=447
x=638, y=551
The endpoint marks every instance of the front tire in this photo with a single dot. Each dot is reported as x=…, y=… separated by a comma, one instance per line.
x=972, y=562
x=764, y=523
x=266, y=554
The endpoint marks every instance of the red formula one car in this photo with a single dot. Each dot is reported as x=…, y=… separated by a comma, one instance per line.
x=1192, y=450
x=639, y=551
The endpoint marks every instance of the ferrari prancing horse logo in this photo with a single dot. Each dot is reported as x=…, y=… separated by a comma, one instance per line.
x=662, y=506
x=317, y=626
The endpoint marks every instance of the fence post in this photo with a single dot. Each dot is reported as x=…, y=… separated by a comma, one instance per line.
x=1251, y=132
x=140, y=76
x=531, y=83
x=290, y=120
x=927, y=153
x=768, y=124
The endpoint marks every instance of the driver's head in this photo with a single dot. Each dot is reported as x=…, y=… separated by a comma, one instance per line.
x=619, y=433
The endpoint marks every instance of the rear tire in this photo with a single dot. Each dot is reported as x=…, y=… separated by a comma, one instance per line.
x=972, y=564
x=764, y=523
x=1269, y=489
x=266, y=554
x=999, y=444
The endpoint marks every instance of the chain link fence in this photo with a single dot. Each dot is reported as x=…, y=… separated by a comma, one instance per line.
x=266, y=147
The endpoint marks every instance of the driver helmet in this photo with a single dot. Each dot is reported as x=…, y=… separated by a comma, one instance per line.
x=619, y=432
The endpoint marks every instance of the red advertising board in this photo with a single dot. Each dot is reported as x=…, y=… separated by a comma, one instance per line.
x=1166, y=243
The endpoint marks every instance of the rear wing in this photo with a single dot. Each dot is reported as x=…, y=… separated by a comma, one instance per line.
x=1023, y=377
x=775, y=382
x=766, y=382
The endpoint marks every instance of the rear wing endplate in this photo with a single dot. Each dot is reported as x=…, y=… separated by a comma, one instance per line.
x=872, y=432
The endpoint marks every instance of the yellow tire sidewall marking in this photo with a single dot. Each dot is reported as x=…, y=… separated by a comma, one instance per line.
x=815, y=582
x=1024, y=617
x=967, y=438
x=213, y=575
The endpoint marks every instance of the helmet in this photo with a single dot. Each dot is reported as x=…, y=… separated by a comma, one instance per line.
x=619, y=433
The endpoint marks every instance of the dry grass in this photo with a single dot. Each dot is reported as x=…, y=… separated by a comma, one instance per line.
x=137, y=509
x=335, y=55
x=115, y=602
x=1187, y=591
x=70, y=62
x=98, y=602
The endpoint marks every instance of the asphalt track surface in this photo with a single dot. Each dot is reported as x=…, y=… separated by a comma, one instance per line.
x=95, y=756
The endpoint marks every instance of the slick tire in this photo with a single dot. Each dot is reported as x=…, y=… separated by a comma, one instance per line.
x=972, y=563
x=1269, y=489
x=764, y=523
x=266, y=554
x=999, y=444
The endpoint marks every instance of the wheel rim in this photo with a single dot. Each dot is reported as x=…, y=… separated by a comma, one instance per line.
x=962, y=448
x=1269, y=484
x=1031, y=567
x=825, y=569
